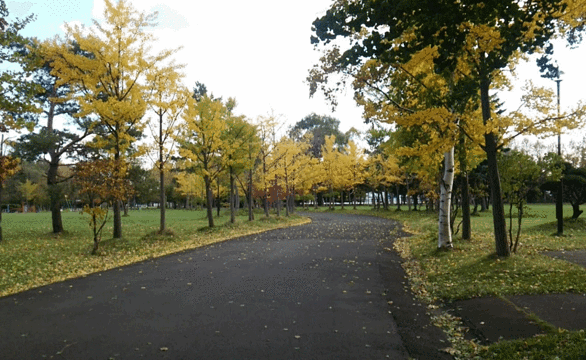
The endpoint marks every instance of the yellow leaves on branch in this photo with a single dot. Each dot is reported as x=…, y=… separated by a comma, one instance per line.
x=168, y=99
x=202, y=137
x=108, y=66
x=383, y=170
x=292, y=163
x=190, y=184
x=8, y=167
x=538, y=114
x=481, y=38
x=573, y=16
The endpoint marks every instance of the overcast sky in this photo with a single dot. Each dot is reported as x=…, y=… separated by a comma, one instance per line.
x=257, y=51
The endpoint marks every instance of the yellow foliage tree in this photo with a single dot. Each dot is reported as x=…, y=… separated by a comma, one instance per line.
x=292, y=164
x=266, y=129
x=202, y=142
x=353, y=165
x=190, y=185
x=241, y=141
x=168, y=100
x=333, y=176
x=112, y=79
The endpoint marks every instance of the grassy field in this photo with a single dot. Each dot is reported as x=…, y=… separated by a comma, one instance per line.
x=31, y=256
x=472, y=269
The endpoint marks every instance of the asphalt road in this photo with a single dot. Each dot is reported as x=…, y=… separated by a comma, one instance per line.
x=327, y=290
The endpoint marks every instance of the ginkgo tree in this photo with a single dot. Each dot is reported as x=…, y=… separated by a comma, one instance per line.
x=333, y=176
x=168, y=99
x=112, y=80
x=412, y=97
x=293, y=161
x=354, y=163
x=202, y=141
x=190, y=185
x=240, y=142
x=267, y=127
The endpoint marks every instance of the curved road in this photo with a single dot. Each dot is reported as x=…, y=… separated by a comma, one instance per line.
x=326, y=290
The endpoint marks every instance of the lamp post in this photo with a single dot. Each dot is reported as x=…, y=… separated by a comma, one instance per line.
x=560, y=193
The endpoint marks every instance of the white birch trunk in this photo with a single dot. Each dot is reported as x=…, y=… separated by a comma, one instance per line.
x=446, y=186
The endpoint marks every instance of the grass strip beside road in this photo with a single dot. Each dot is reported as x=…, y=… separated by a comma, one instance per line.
x=31, y=256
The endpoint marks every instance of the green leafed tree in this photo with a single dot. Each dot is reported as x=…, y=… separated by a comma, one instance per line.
x=49, y=142
x=520, y=175
x=315, y=128
x=16, y=88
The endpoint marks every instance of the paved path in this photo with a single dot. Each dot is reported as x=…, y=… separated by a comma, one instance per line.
x=327, y=290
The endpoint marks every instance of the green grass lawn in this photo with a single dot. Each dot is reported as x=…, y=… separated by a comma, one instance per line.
x=31, y=256
x=472, y=269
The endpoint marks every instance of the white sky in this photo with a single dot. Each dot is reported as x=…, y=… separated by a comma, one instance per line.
x=257, y=51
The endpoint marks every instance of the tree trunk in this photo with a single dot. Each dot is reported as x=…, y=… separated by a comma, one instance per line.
x=385, y=198
x=483, y=204
x=444, y=231
x=1, y=193
x=95, y=230
x=250, y=212
x=218, y=201
x=466, y=228
x=408, y=198
x=266, y=204
x=519, y=221
x=117, y=233
x=332, y=206
x=209, y=201
x=498, y=212
x=398, y=200
x=315, y=205
x=55, y=195
x=232, y=198
x=117, y=228
x=163, y=200
x=475, y=210
x=576, y=212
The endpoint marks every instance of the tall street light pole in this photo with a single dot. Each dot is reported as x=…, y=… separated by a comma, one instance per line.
x=560, y=193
